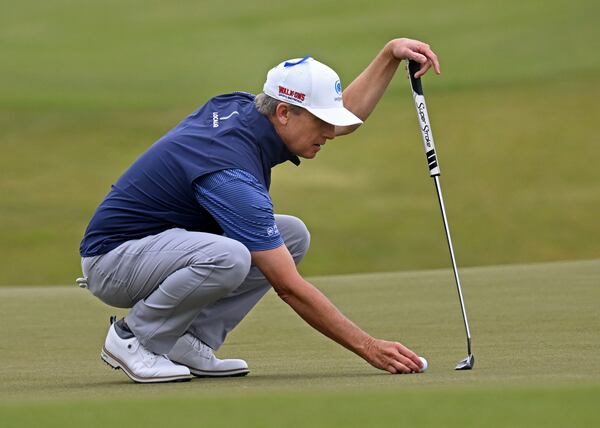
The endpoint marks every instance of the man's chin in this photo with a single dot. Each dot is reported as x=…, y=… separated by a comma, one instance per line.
x=308, y=156
x=312, y=153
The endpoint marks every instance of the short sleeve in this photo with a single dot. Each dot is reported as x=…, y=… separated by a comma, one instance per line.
x=242, y=207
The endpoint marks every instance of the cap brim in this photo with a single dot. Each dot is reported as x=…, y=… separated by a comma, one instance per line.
x=335, y=116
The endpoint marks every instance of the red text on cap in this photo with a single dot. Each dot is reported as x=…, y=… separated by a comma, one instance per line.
x=288, y=93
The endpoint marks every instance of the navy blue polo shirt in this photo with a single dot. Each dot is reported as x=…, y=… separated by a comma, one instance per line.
x=158, y=191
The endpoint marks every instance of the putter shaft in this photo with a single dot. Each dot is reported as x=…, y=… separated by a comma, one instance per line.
x=438, y=189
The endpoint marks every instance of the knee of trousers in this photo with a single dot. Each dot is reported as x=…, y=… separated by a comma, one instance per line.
x=297, y=238
x=231, y=264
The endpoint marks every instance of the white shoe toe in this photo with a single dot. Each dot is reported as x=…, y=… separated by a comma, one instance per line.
x=201, y=361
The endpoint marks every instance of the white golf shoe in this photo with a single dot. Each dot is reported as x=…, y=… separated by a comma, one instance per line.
x=139, y=363
x=200, y=359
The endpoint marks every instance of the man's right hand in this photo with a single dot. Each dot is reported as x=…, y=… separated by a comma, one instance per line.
x=392, y=357
x=279, y=268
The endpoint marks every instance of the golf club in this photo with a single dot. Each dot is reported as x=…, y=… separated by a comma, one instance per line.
x=434, y=171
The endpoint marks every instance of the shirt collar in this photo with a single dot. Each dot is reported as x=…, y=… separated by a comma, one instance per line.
x=271, y=143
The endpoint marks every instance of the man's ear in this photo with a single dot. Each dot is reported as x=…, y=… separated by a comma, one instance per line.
x=282, y=113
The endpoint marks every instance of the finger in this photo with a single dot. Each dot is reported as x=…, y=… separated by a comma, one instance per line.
x=407, y=353
x=423, y=69
x=416, y=56
x=400, y=368
x=432, y=58
x=425, y=50
x=436, y=64
x=434, y=61
x=410, y=364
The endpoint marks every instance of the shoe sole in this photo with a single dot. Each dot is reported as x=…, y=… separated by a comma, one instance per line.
x=216, y=373
x=117, y=364
x=225, y=373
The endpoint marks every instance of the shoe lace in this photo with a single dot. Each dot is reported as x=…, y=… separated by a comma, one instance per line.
x=201, y=347
x=149, y=357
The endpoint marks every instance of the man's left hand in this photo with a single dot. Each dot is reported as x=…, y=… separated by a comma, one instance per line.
x=416, y=51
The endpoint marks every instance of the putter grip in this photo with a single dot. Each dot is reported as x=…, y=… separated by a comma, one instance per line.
x=413, y=67
x=423, y=117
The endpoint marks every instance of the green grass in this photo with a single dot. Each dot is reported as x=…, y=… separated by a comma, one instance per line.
x=535, y=334
x=532, y=407
x=85, y=87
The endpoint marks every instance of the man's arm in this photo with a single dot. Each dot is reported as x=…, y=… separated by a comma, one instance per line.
x=363, y=94
x=278, y=267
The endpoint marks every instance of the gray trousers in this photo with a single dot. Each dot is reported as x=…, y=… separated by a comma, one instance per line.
x=180, y=281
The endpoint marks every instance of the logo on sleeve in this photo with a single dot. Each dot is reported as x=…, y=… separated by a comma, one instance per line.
x=272, y=231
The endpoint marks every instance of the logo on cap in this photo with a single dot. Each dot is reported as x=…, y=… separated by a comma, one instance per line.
x=290, y=94
x=338, y=87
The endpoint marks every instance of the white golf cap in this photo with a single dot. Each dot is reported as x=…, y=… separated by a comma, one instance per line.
x=309, y=84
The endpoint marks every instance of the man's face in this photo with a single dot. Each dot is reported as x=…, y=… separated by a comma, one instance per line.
x=304, y=133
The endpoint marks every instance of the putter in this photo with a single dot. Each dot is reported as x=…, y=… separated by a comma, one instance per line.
x=434, y=171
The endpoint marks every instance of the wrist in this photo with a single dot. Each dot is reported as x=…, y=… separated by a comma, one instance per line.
x=388, y=51
x=365, y=346
x=391, y=51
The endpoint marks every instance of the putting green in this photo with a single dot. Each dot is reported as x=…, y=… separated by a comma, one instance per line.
x=536, y=341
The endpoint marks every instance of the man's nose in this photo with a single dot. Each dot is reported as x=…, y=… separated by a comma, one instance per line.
x=329, y=132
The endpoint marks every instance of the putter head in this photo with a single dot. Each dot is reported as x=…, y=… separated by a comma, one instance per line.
x=466, y=364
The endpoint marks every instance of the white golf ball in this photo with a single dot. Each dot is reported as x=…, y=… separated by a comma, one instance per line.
x=425, y=364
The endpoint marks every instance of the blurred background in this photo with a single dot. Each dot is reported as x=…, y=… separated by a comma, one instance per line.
x=87, y=86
